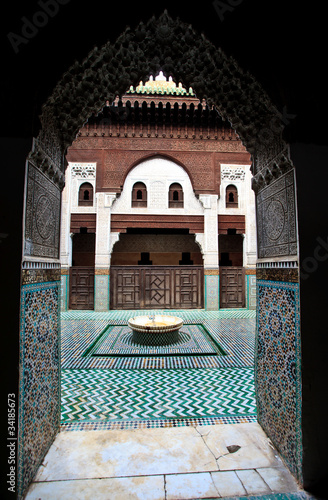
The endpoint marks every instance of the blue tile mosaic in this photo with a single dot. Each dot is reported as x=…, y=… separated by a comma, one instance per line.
x=39, y=391
x=278, y=369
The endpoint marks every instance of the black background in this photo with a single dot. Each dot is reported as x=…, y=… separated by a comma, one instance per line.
x=282, y=43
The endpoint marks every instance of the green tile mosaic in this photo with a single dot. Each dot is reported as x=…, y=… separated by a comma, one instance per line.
x=156, y=394
x=117, y=341
x=105, y=386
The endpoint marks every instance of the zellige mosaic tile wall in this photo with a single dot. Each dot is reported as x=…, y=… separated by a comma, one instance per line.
x=39, y=391
x=278, y=368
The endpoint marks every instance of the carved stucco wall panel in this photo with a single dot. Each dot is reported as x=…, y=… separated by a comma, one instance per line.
x=42, y=221
x=276, y=223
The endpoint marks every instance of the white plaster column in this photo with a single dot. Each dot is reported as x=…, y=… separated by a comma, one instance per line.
x=211, y=251
x=65, y=242
x=211, y=246
x=104, y=202
x=250, y=242
x=102, y=257
x=65, y=222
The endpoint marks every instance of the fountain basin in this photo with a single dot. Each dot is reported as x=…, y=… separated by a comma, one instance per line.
x=155, y=330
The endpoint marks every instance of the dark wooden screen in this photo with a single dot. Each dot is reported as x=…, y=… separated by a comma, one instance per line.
x=81, y=294
x=232, y=287
x=157, y=287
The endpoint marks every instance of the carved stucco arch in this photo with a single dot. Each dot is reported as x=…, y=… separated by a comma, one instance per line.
x=175, y=48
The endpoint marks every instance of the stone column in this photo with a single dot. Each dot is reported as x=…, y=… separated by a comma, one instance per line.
x=211, y=251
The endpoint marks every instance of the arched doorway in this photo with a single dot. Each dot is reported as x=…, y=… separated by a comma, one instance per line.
x=238, y=98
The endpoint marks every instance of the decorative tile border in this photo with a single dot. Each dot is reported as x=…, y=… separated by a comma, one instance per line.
x=117, y=341
x=64, y=292
x=30, y=276
x=212, y=283
x=212, y=272
x=278, y=274
x=102, y=271
x=189, y=315
x=101, y=292
x=99, y=425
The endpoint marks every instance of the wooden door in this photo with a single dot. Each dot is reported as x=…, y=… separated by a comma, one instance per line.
x=189, y=287
x=81, y=294
x=232, y=287
x=157, y=287
x=125, y=290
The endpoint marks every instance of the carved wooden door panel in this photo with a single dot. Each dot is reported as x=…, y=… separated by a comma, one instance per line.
x=232, y=287
x=125, y=288
x=189, y=289
x=157, y=287
x=81, y=294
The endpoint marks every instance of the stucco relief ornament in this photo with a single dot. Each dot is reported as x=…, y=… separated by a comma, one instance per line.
x=274, y=220
x=45, y=217
x=85, y=170
x=233, y=174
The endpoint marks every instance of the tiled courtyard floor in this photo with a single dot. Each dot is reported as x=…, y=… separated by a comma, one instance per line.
x=168, y=423
x=107, y=382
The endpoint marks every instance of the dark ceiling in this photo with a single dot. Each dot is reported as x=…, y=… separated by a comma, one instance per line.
x=282, y=43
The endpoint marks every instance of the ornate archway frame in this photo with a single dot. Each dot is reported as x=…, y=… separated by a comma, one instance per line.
x=175, y=48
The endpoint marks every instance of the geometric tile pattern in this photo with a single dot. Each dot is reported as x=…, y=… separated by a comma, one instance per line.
x=157, y=394
x=251, y=291
x=39, y=389
x=236, y=337
x=211, y=292
x=197, y=315
x=101, y=292
x=278, y=368
x=157, y=391
x=118, y=341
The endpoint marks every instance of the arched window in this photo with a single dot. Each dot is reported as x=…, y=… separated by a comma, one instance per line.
x=86, y=195
x=139, y=195
x=175, y=196
x=231, y=196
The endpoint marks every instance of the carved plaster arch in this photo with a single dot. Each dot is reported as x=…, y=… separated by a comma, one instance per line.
x=175, y=48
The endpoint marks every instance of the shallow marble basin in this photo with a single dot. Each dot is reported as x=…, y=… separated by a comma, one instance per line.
x=155, y=330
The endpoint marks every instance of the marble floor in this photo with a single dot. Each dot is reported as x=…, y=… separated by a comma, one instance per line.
x=228, y=460
x=165, y=424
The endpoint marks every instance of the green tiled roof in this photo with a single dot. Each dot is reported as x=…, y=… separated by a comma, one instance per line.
x=161, y=86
